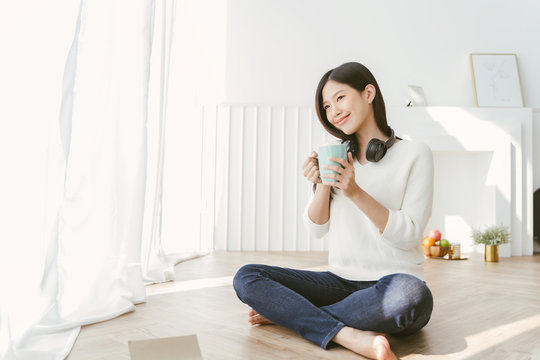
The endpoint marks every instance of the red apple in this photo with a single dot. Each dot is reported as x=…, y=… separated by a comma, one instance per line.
x=436, y=234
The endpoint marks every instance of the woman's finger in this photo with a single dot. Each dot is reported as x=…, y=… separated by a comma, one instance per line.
x=313, y=174
x=349, y=156
x=310, y=173
x=341, y=161
x=335, y=168
x=316, y=176
x=308, y=168
x=309, y=160
x=329, y=176
x=308, y=164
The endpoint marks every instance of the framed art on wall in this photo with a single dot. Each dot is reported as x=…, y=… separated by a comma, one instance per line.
x=496, y=80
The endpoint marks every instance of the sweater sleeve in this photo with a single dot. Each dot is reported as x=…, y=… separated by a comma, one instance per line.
x=405, y=226
x=315, y=230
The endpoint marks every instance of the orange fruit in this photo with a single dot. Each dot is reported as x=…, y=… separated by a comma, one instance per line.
x=428, y=241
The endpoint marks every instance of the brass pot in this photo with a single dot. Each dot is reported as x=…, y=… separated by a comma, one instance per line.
x=491, y=253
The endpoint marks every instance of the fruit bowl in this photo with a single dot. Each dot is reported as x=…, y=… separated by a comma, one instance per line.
x=426, y=250
x=435, y=251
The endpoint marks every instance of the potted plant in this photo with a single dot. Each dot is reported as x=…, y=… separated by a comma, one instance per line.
x=491, y=237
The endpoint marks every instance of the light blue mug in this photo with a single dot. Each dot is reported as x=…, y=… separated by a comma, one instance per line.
x=325, y=151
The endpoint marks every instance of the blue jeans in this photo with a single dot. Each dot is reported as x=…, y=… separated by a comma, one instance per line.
x=316, y=305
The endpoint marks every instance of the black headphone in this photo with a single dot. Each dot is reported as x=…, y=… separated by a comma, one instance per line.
x=376, y=149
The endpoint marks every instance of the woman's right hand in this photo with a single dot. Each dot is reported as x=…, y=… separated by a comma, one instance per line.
x=311, y=168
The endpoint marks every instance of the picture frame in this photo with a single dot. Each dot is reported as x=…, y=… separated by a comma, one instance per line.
x=496, y=80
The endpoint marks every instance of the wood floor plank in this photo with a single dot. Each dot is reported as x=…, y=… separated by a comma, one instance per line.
x=482, y=311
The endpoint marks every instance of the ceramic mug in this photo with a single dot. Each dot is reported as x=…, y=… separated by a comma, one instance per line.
x=325, y=151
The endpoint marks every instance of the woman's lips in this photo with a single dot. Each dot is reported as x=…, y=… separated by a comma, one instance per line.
x=342, y=120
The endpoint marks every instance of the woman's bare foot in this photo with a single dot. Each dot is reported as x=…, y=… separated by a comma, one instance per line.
x=367, y=343
x=255, y=318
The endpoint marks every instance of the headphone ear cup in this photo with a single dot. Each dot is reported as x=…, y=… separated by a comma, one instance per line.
x=376, y=149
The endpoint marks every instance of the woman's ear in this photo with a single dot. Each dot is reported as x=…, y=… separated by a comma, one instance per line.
x=370, y=93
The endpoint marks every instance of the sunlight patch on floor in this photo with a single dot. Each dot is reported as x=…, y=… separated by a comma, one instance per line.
x=207, y=283
x=492, y=337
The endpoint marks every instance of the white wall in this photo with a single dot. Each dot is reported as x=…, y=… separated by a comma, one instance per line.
x=277, y=50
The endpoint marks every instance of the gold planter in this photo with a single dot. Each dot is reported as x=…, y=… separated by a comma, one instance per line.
x=491, y=253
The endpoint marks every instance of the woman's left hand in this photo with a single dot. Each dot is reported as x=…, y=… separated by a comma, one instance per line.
x=345, y=175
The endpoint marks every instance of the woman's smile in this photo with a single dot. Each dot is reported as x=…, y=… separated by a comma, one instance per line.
x=342, y=119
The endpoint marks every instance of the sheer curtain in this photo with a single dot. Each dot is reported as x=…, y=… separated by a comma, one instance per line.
x=99, y=240
x=158, y=258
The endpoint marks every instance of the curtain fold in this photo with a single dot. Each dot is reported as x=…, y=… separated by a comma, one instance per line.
x=100, y=217
x=157, y=259
x=156, y=265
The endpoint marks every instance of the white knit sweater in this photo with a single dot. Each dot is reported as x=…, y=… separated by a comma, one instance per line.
x=403, y=183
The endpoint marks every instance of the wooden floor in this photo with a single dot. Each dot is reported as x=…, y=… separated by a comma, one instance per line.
x=482, y=311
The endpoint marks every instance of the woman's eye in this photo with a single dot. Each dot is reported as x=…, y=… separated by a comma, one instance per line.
x=326, y=107
x=340, y=97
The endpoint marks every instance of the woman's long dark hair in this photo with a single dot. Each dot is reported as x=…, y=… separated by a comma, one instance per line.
x=356, y=76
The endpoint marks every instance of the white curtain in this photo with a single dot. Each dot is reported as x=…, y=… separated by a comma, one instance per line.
x=158, y=260
x=101, y=233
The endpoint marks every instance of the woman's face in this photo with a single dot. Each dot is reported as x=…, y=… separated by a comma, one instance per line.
x=347, y=108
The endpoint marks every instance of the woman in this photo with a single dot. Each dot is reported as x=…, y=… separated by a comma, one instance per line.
x=373, y=215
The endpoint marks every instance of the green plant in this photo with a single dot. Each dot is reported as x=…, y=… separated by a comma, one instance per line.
x=493, y=235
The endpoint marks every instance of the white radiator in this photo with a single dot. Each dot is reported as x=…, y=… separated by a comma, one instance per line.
x=254, y=193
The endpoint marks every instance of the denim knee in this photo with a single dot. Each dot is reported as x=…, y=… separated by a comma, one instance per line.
x=411, y=301
x=243, y=278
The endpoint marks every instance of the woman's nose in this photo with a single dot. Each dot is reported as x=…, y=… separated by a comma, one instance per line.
x=335, y=113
